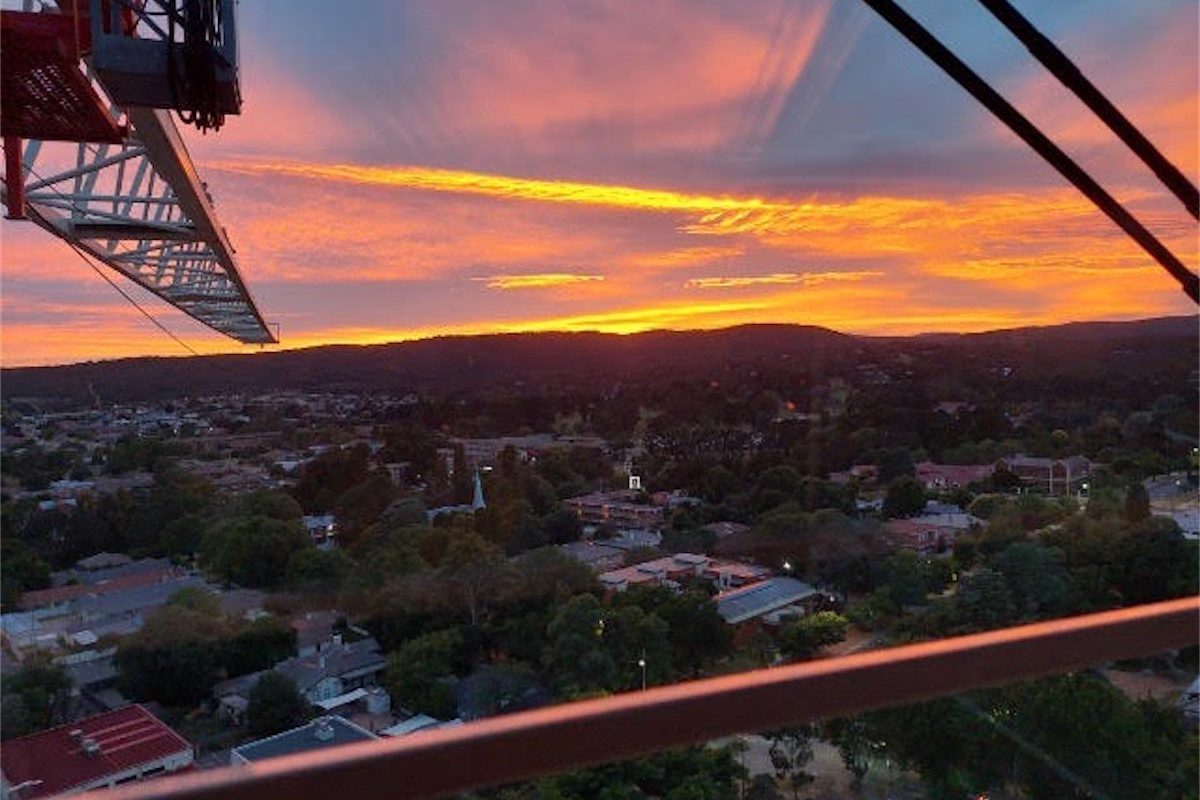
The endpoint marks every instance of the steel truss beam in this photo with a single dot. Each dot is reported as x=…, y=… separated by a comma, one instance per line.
x=141, y=209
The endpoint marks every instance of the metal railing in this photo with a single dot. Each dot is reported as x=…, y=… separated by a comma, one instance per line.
x=525, y=745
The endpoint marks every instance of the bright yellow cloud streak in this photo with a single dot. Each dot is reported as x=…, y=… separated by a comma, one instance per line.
x=781, y=278
x=931, y=231
x=504, y=186
x=544, y=280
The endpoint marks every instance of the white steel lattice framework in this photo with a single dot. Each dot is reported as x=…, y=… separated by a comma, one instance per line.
x=140, y=208
x=117, y=182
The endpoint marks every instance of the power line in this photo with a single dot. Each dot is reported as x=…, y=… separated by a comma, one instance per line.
x=978, y=88
x=131, y=300
x=1070, y=76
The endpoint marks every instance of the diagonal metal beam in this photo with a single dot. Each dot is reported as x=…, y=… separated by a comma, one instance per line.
x=1053, y=155
x=1055, y=60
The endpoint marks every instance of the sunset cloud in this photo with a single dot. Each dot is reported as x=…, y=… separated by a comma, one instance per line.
x=543, y=280
x=508, y=187
x=420, y=169
x=779, y=279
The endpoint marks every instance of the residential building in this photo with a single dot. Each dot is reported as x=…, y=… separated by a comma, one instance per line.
x=417, y=723
x=674, y=569
x=600, y=556
x=109, y=749
x=82, y=614
x=1051, y=475
x=618, y=508
x=321, y=733
x=484, y=452
x=724, y=530
x=321, y=528
x=939, y=477
x=334, y=670
x=770, y=601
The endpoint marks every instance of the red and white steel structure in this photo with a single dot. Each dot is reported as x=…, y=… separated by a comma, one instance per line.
x=115, y=179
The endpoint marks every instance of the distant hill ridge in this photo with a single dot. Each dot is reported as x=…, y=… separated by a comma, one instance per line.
x=465, y=363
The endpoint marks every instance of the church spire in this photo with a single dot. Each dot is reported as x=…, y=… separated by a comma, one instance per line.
x=477, y=501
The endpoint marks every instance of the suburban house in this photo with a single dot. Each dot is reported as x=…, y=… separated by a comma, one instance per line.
x=939, y=477
x=674, y=569
x=318, y=734
x=333, y=671
x=767, y=602
x=1052, y=475
x=933, y=531
x=110, y=749
x=321, y=528
x=921, y=534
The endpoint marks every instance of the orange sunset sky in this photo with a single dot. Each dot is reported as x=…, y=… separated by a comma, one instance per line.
x=410, y=169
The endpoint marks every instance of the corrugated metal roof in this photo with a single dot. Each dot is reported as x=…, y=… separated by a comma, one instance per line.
x=320, y=733
x=761, y=598
x=127, y=737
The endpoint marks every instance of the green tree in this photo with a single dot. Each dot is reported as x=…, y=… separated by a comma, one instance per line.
x=1036, y=578
x=20, y=570
x=257, y=646
x=275, y=705
x=985, y=600
x=852, y=736
x=420, y=675
x=474, y=573
x=175, y=659
x=910, y=578
x=183, y=535
x=790, y=752
x=717, y=484
x=561, y=527
x=807, y=635
x=193, y=598
x=1137, y=502
x=895, y=463
x=403, y=512
x=34, y=698
x=905, y=497
x=362, y=504
x=269, y=503
x=576, y=659
x=253, y=551
x=697, y=633
x=316, y=570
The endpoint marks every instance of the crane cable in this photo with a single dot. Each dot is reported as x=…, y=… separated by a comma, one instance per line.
x=194, y=93
x=1069, y=75
x=84, y=255
x=978, y=88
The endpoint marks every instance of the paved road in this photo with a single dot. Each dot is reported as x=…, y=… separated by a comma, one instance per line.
x=1164, y=487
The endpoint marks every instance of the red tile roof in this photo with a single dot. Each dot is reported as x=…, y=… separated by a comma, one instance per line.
x=127, y=737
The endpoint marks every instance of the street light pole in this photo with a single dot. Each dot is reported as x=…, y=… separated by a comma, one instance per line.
x=642, y=664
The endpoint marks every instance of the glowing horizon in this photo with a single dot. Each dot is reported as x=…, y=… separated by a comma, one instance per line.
x=682, y=165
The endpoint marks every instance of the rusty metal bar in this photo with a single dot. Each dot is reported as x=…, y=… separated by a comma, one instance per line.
x=529, y=744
